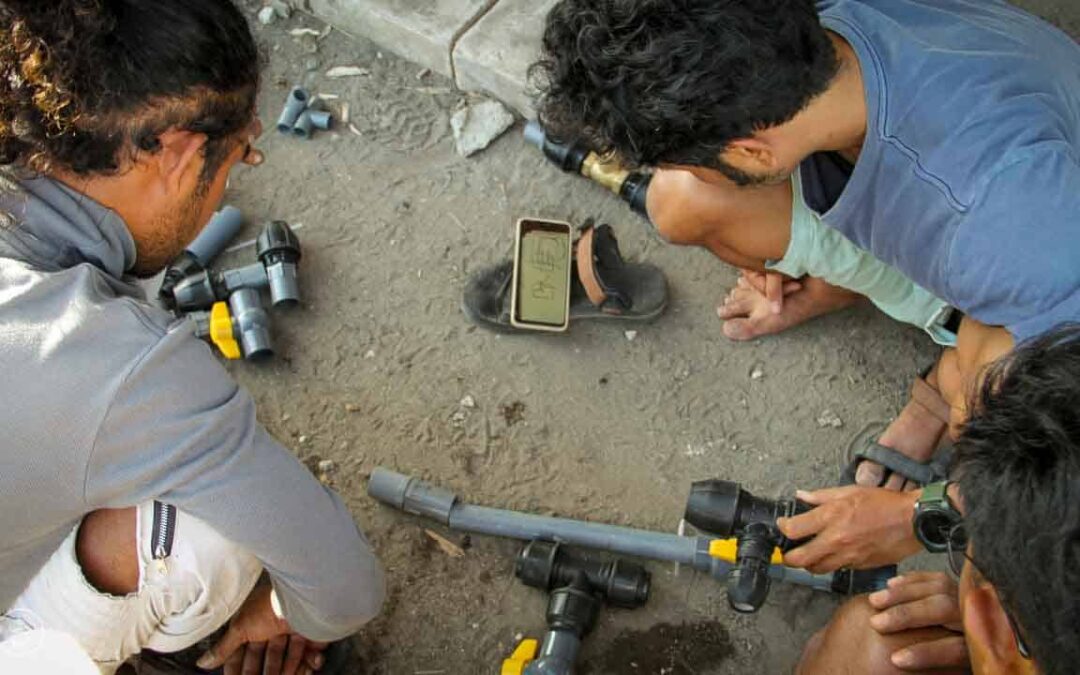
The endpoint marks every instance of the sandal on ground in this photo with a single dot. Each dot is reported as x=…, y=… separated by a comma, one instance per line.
x=602, y=286
x=926, y=396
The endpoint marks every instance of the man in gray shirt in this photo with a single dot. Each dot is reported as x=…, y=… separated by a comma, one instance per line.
x=140, y=500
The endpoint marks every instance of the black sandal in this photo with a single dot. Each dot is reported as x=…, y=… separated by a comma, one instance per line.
x=895, y=462
x=603, y=286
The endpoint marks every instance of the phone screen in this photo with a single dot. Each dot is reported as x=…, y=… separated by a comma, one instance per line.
x=543, y=283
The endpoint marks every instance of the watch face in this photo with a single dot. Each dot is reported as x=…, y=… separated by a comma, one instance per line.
x=932, y=528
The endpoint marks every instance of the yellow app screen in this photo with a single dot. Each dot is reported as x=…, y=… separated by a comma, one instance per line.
x=543, y=275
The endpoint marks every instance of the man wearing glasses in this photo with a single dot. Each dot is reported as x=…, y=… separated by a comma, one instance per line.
x=140, y=499
x=1010, y=526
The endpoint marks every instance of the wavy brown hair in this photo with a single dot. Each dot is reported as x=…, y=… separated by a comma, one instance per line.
x=86, y=84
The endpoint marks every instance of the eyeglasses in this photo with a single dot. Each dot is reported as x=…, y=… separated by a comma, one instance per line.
x=956, y=551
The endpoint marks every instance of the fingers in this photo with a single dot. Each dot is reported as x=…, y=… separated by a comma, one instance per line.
x=817, y=557
x=275, y=656
x=235, y=663
x=935, y=610
x=891, y=597
x=314, y=659
x=253, y=658
x=294, y=657
x=735, y=305
x=919, y=577
x=774, y=292
x=943, y=653
x=802, y=526
x=229, y=643
x=819, y=497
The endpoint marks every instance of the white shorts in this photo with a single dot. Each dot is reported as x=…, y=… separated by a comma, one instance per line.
x=180, y=600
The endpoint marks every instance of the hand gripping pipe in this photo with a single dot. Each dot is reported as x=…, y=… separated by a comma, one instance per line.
x=419, y=498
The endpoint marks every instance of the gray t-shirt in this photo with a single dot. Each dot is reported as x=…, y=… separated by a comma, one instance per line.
x=109, y=402
x=969, y=178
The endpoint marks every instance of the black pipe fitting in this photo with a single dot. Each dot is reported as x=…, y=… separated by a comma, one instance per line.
x=724, y=509
x=548, y=566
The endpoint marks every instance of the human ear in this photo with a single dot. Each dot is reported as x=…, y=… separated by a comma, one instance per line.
x=178, y=158
x=989, y=634
x=751, y=155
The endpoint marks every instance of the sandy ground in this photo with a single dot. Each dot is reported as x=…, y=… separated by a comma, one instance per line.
x=373, y=369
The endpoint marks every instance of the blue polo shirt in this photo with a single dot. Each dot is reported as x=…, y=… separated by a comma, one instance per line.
x=969, y=177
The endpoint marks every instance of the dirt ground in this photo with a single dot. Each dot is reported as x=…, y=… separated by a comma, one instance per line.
x=373, y=369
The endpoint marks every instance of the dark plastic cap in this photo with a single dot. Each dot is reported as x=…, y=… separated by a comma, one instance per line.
x=713, y=506
x=277, y=242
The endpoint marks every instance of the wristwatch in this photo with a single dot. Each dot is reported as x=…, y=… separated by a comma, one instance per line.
x=935, y=517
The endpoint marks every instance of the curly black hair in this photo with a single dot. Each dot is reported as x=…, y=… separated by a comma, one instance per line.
x=675, y=81
x=1018, y=466
x=85, y=84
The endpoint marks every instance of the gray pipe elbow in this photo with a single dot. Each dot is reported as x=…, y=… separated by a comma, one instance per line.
x=321, y=120
x=295, y=105
x=304, y=126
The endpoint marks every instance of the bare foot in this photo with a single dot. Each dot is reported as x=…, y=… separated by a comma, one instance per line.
x=916, y=433
x=748, y=314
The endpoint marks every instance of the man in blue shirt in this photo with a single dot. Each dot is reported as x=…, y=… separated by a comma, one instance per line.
x=827, y=147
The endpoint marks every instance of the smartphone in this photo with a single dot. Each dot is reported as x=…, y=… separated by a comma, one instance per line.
x=541, y=291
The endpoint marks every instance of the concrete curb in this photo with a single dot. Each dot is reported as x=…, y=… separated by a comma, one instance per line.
x=483, y=45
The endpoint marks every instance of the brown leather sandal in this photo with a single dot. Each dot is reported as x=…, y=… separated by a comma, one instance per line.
x=926, y=396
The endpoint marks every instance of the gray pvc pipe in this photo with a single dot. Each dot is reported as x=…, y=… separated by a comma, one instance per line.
x=557, y=656
x=251, y=276
x=251, y=323
x=295, y=105
x=535, y=135
x=304, y=126
x=417, y=497
x=217, y=234
x=420, y=498
x=321, y=119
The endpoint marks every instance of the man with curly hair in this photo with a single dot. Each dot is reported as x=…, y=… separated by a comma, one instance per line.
x=924, y=154
x=140, y=500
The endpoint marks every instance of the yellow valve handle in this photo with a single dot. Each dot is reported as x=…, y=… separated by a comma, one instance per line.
x=522, y=657
x=728, y=549
x=221, y=332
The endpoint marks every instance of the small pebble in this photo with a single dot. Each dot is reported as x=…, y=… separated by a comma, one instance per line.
x=370, y=354
x=757, y=373
x=631, y=335
x=286, y=417
x=327, y=466
x=829, y=419
x=267, y=16
x=352, y=408
x=468, y=402
x=302, y=439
